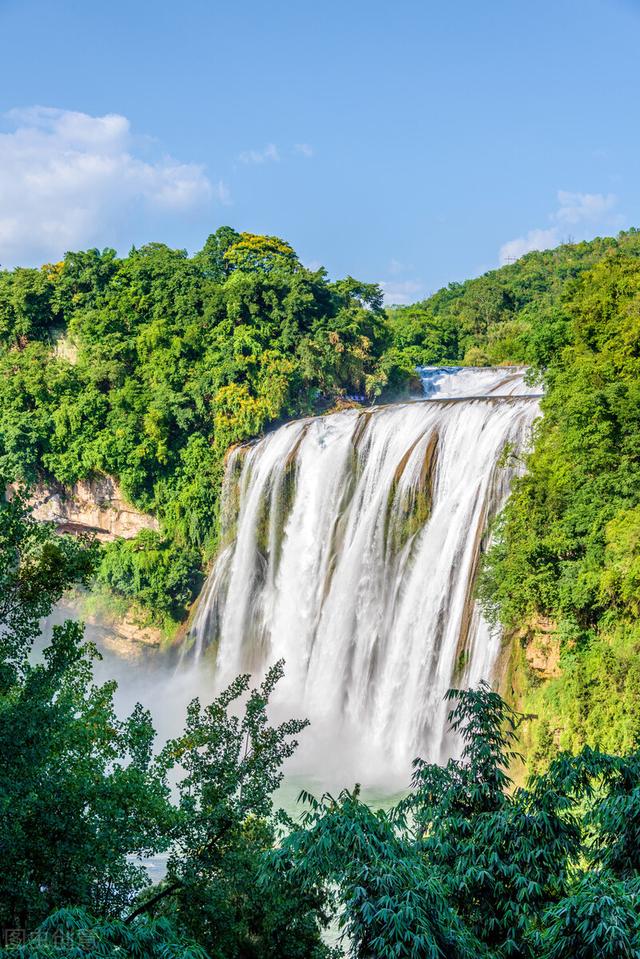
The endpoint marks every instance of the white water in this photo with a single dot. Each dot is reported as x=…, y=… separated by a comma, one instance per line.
x=350, y=547
x=465, y=381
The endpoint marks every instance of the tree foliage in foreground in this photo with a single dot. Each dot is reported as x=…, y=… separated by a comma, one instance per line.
x=76, y=934
x=85, y=797
x=468, y=866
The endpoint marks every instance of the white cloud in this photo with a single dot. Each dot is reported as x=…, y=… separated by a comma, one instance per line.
x=577, y=217
x=584, y=207
x=69, y=180
x=304, y=149
x=401, y=293
x=398, y=291
x=533, y=240
x=270, y=154
x=396, y=267
x=223, y=193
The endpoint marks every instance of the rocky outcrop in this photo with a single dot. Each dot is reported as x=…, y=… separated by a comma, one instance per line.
x=95, y=505
x=529, y=654
x=542, y=649
x=123, y=636
x=534, y=648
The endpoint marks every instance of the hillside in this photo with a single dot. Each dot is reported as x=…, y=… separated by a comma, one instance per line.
x=148, y=368
x=563, y=578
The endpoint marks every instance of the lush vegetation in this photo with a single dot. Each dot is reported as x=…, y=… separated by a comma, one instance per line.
x=85, y=796
x=148, y=368
x=467, y=867
x=464, y=867
x=517, y=314
x=565, y=570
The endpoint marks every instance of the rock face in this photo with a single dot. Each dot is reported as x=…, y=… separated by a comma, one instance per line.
x=95, y=505
x=542, y=648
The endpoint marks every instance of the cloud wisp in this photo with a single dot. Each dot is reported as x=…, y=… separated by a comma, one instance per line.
x=272, y=154
x=68, y=179
x=401, y=292
x=404, y=288
x=577, y=217
x=269, y=154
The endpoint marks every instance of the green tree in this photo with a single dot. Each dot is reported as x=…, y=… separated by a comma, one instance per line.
x=27, y=307
x=466, y=865
x=231, y=764
x=70, y=768
x=211, y=256
x=84, y=796
x=252, y=252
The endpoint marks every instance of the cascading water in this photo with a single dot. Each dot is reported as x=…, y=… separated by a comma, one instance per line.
x=350, y=547
x=465, y=381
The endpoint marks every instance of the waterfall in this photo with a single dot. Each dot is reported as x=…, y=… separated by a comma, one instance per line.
x=349, y=547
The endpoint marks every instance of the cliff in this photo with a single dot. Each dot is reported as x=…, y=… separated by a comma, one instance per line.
x=95, y=505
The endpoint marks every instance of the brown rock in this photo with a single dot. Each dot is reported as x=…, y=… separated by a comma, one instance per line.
x=94, y=505
x=542, y=647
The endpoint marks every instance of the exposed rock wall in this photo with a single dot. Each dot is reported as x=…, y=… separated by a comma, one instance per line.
x=529, y=655
x=95, y=505
x=542, y=649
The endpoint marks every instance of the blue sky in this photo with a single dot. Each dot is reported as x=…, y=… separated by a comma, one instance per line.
x=410, y=143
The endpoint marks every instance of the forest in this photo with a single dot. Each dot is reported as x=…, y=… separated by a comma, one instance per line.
x=148, y=368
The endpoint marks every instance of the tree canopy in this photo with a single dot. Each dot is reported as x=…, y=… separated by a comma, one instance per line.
x=85, y=797
x=467, y=866
x=147, y=368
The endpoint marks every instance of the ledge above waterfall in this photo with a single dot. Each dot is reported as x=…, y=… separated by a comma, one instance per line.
x=457, y=382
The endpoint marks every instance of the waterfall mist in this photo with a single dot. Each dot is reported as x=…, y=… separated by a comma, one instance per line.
x=350, y=545
x=143, y=673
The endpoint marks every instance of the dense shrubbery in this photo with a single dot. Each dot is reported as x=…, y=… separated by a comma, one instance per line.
x=148, y=368
x=153, y=571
